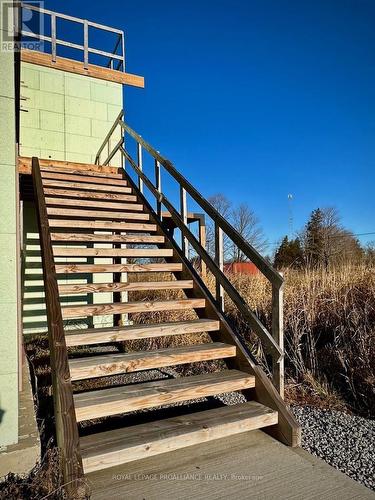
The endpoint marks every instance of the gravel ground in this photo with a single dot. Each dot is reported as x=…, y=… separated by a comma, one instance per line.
x=344, y=441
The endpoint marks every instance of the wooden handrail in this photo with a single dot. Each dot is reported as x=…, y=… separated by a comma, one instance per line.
x=65, y=418
x=251, y=253
x=272, y=342
x=108, y=136
x=258, y=327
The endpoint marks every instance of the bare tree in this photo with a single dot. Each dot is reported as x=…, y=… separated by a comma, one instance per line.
x=224, y=206
x=247, y=224
x=243, y=219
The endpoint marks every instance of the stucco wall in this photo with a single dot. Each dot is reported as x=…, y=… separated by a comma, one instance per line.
x=8, y=254
x=67, y=118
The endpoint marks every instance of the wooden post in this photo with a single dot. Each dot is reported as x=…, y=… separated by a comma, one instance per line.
x=219, y=259
x=184, y=217
x=278, y=335
x=202, y=241
x=65, y=417
x=158, y=186
x=140, y=166
x=117, y=320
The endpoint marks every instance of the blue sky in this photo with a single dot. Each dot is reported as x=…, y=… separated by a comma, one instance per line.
x=257, y=98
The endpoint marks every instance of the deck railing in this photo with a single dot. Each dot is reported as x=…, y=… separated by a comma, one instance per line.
x=115, y=58
x=272, y=342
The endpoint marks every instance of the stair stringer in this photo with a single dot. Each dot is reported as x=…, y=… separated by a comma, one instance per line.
x=287, y=430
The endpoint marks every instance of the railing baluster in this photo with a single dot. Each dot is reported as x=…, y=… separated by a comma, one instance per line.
x=85, y=44
x=184, y=216
x=158, y=186
x=278, y=336
x=219, y=259
x=140, y=165
x=53, y=36
x=123, y=50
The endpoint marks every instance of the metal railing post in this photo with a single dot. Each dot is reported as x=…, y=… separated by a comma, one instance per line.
x=219, y=259
x=140, y=166
x=85, y=44
x=184, y=217
x=123, y=50
x=278, y=336
x=53, y=36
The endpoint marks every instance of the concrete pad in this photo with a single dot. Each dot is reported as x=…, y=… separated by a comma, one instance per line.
x=20, y=458
x=251, y=465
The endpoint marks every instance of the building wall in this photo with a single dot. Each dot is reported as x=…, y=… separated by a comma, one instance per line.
x=66, y=117
x=8, y=254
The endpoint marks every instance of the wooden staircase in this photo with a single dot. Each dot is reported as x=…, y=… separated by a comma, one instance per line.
x=80, y=208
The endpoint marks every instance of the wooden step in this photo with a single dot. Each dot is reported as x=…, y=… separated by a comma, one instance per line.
x=114, y=447
x=116, y=268
x=131, y=307
x=82, y=178
x=136, y=286
x=86, y=167
x=96, y=214
x=106, y=402
x=91, y=195
x=85, y=186
x=71, y=202
x=93, y=336
x=78, y=171
x=112, y=364
x=106, y=238
x=112, y=252
x=107, y=225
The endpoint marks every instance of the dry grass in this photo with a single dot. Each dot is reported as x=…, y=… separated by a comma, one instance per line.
x=44, y=481
x=329, y=319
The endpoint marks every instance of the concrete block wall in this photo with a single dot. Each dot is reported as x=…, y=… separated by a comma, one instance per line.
x=65, y=117
x=8, y=254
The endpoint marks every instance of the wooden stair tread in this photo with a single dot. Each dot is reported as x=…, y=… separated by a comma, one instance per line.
x=96, y=214
x=78, y=171
x=111, y=364
x=116, y=400
x=107, y=238
x=105, y=225
x=93, y=336
x=112, y=252
x=81, y=177
x=125, y=286
x=91, y=195
x=71, y=202
x=114, y=447
x=85, y=186
x=71, y=268
x=131, y=307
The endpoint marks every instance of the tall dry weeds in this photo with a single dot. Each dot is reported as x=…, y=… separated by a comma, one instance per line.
x=329, y=326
